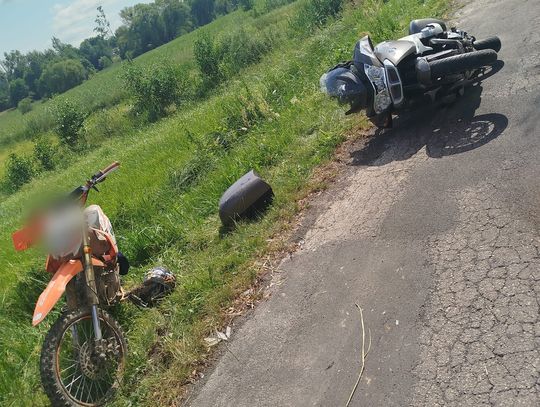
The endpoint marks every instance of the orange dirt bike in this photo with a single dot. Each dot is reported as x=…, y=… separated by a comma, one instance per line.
x=84, y=353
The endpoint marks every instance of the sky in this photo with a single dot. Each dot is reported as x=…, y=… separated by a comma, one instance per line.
x=30, y=24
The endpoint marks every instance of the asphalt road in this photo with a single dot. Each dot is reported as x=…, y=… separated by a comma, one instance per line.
x=434, y=231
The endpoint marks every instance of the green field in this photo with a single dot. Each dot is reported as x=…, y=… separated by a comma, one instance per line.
x=163, y=200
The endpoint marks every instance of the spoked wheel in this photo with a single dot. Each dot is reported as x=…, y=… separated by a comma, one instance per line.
x=77, y=370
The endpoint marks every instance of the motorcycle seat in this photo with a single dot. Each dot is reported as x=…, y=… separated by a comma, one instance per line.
x=417, y=25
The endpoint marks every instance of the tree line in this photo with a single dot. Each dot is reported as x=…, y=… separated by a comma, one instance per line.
x=42, y=74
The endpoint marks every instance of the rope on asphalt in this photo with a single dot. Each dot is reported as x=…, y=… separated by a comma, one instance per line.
x=364, y=353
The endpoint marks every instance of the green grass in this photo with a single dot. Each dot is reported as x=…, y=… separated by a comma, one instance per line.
x=105, y=88
x=162, y=217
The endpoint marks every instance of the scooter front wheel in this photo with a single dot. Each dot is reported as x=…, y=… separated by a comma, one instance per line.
x=76, y=369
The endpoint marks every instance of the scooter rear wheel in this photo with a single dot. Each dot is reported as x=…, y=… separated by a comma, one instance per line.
x=76, y=370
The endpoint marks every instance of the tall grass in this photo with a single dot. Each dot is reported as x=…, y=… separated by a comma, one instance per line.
x=163, y=201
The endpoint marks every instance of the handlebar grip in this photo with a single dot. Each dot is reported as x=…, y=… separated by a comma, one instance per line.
x=110, y=167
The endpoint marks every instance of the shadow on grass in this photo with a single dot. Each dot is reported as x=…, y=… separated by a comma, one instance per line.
x=253, y=214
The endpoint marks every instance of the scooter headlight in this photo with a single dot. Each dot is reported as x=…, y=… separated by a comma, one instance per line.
x=377, y=77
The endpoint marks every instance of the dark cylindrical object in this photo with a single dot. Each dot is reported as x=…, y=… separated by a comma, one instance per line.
x=493, y=43
x=461, y=63
x=247, y=195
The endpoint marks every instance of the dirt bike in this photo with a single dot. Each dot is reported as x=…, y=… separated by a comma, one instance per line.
x=84, y=353
x=430, y=62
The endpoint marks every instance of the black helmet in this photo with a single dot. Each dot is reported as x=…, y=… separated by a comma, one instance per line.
x=157, y=283
x=342, y=83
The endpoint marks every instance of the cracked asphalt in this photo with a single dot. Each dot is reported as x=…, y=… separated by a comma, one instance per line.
x=433, y=229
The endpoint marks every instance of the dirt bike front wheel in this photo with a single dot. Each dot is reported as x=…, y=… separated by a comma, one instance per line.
x=76, y=370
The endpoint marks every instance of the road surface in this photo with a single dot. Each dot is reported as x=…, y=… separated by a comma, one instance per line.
x=434, y=231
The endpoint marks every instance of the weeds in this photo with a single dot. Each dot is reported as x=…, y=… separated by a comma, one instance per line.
x=316, y=13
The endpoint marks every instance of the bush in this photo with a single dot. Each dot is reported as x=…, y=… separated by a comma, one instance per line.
x=63, y=75
x=25, y=105
x=44, y=153
x=105, y=62
x=155, y=87
x=207, y=57
x=19, y=171
x=316, y=13
x=220, y=58
x=69, y=120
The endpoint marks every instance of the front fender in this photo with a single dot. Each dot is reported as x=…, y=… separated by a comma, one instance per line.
x=56, y=287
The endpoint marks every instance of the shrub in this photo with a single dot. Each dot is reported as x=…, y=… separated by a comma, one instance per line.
x=220, y=58
x=105, y=62
x=19, y=171
x=207, y=57
x=44, y=153
x=69, y=120
x=155, y=87
x=25, y=105
x=63, y=75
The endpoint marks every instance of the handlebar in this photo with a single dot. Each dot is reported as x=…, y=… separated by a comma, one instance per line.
x=101, y=175
x=110, y=167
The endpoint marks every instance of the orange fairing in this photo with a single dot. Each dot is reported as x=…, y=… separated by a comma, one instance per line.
x=26, y=237
x=55, y=289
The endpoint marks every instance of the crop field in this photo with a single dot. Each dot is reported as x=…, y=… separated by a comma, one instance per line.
x=269, y=116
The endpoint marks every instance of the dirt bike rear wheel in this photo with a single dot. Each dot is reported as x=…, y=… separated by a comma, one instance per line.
x=75, y=369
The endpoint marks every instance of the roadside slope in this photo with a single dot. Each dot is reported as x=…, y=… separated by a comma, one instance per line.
x=433, y=231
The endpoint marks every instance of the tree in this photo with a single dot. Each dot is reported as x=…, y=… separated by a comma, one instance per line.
x=63, y=75
x=17, y=91
x=176, y=18
x=4, y=92
x=93, y=49
x=13, y=65
x=202, y=11
x=65, y=51
x=103, y=27
x=36, y=62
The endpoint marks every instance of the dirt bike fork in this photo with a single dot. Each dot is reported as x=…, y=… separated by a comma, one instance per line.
x=93, y=299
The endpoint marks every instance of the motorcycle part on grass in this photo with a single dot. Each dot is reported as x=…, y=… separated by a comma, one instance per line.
x=157, y=284
x=247, y=198
x=78, y=370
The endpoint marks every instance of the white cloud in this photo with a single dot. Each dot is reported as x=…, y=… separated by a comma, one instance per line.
x=74, y=22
